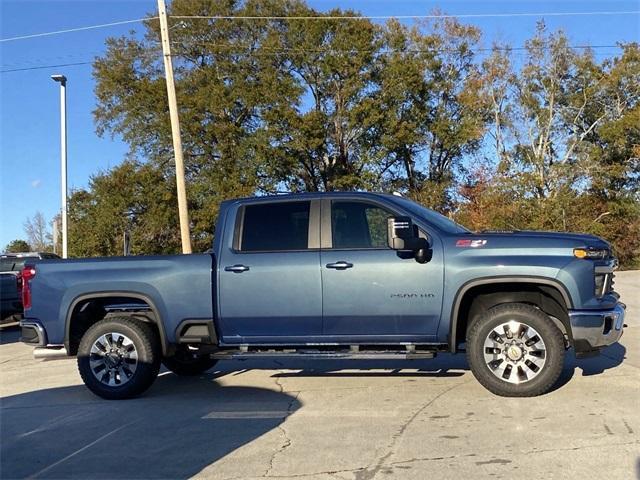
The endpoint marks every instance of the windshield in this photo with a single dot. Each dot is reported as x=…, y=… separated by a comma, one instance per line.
x=434, y=218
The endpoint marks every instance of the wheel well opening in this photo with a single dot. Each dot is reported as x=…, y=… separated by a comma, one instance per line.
x=88, y=311
x=481, y=298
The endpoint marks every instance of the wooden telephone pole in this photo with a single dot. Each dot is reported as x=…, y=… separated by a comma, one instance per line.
x=175, y=129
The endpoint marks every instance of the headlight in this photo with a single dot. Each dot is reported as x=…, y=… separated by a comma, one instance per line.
x=591, y=253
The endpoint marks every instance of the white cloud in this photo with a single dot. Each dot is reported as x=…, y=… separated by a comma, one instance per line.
x=36, y=183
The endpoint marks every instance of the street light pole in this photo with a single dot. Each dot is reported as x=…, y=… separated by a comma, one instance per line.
x=63, y=156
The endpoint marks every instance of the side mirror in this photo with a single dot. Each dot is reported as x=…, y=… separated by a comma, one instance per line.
x=400, y=233
x=403, y=236
x=423, y=255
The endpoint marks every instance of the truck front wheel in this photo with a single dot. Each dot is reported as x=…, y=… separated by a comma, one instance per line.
x=119, y=357
x=515, y=350
x=187, y=363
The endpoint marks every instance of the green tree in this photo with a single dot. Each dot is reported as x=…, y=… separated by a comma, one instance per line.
x=227, y=78
x=432, y=112
x=565, y=141
x=130, y=198
x=17, y=246
x=614, y=145
x=319, y=139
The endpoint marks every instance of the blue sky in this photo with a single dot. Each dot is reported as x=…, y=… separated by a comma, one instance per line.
x=29, y=100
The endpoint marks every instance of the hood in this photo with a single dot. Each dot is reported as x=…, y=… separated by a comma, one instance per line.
x=529, y=240
x=581, y=239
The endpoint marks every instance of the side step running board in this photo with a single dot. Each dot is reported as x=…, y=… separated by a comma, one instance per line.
x=319, y=355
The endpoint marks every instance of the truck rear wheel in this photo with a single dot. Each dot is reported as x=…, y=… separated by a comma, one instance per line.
x=515, y=350
x=187, y=363
x=119, y=357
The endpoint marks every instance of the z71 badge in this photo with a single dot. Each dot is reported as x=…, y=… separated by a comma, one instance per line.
x=470, y=243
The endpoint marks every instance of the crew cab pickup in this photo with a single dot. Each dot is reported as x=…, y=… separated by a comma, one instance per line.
x=331, y=275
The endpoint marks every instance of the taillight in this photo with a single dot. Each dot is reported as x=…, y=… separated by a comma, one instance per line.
x=27, y=274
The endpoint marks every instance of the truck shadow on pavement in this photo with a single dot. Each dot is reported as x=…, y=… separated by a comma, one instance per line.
x=444, y=365
x=180, y=427
x=609, y=358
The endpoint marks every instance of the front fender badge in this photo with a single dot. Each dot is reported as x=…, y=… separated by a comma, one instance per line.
x=468, y=243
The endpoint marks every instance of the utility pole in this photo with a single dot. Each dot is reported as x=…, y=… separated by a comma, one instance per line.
x=55, y=235
x=175, y=129
x=62, y=80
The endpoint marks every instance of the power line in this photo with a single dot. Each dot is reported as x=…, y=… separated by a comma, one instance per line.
x=71, y=57
x=401, y=17
x=320, y=17
x=271, y=51
x=240, y=48
x=40, y=67
x=79, y=29
x=147, y=55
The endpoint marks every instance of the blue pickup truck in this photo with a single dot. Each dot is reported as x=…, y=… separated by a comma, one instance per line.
x=330, y=275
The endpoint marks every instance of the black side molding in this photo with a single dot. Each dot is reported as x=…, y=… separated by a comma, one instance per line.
x=196, y=330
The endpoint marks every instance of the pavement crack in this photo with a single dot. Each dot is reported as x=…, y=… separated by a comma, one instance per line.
x=315, y=474
x=369, y=472
x=287, y=439
x=583, y=447
x=279, y=384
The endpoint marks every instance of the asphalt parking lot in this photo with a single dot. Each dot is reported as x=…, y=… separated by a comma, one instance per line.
x=326, y=420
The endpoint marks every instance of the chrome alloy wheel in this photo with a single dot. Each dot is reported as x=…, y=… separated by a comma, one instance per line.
x=113, y=359
x=514, y=352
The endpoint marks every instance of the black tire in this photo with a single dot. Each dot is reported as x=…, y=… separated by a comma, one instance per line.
x=550, y=352
x=186, y=363
x=146, y=346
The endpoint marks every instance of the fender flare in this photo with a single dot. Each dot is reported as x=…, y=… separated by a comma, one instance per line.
x=453, y=323
x=114, y=293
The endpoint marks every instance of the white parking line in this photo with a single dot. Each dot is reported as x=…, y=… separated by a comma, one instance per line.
x=71, y=455
x=267, y=414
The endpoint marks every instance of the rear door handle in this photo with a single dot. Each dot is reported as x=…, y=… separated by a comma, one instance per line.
x=341, y=265
x=236, y=268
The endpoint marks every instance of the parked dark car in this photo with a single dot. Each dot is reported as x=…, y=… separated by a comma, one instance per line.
x=11, y=265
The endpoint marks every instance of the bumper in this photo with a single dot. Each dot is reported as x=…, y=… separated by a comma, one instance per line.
x=594, y=329
x=33, y=334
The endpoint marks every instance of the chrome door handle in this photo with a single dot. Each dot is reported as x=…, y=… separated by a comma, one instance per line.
x=341, y=265
x=236, y=268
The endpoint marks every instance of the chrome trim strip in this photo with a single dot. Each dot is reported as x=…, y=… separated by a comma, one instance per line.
x=611, y=267
x=620, y=307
